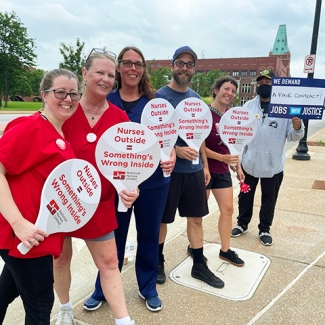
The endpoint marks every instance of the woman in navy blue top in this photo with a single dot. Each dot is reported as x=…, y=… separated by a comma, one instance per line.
x=132, y=94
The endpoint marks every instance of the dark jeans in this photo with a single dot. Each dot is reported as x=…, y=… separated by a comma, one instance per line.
x=270, y=189
x=32, y=280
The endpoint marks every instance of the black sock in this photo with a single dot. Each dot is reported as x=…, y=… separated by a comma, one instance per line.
x=160, y=252
x=197, y=255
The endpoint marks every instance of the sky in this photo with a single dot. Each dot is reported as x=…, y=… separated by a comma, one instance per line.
x=212, y=28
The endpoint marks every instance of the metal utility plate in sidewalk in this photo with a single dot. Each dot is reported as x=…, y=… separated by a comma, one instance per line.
x=240, y=282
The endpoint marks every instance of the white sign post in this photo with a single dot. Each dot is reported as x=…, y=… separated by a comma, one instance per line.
x=195, y=122
x=70, y=197
x=127, y=154
x=309, y=64
x=160, y=117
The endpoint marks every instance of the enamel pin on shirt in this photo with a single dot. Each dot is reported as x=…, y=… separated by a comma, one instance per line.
x=91, y=137
x=61, y=144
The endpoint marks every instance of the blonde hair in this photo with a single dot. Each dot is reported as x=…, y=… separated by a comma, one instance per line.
x=98, y=55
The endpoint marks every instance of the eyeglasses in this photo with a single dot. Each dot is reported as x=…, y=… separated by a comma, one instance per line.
x=180, y=64
x=61, y=94
x=128, y=64
x=101, y=51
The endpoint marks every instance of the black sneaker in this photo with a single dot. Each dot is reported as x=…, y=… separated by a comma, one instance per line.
x=266, y=239
x=161, y=278
x=190, y=253
x=202, y=272
x=231, y=257
x=238, y=230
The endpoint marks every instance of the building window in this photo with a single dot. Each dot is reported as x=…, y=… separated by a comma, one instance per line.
x=243, y=73
x=158, y=65
x=235, y=73
x=243, y=100
x=246, y=88
x=252, y=73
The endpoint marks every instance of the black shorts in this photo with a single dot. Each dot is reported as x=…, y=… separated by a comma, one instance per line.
x=219, y=181
x=187, y=194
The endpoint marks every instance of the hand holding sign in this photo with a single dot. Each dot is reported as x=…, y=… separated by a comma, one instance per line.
x=70, y=197
x=127, y=154
x=237, y=128
x=160, y=117
x=195, y=122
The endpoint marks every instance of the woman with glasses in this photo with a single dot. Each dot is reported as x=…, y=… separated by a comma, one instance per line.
x=132, y=94
x=30, y=148
x=93, y=117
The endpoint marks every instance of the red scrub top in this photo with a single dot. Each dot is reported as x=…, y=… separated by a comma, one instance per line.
x=76, y=129
x=29, y=153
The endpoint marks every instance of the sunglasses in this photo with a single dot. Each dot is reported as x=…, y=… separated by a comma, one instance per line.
x=101, y=51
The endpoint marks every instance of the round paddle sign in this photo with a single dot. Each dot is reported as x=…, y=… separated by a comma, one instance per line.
x=127, y=154
x=160, y=117
x=70, y=197
x=237, y=128
x=195, y=122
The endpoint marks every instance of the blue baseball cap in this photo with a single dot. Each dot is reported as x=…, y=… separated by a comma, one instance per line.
x=184, y=49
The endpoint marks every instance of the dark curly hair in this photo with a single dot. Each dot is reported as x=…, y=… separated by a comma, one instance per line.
x=219, y=82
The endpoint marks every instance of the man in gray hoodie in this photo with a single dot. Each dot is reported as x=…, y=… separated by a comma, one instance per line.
x=263, y=159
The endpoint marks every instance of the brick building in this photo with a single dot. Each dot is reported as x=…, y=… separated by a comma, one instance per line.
x=245, y=70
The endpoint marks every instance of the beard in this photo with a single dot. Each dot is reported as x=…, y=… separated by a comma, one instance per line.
x=182, y=81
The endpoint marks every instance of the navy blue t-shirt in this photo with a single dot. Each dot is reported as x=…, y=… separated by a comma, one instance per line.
x=175, y=97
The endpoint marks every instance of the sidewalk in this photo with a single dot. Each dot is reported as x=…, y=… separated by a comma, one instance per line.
x=291, y=292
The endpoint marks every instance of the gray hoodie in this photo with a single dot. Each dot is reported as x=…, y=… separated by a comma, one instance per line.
x=264, y=156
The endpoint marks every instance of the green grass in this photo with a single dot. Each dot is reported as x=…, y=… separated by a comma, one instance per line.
x=22, y=106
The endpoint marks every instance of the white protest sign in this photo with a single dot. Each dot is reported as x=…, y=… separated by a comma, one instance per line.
x=160, y=117
x=195, y=122
x=237, y=127
x=127, y=154
x=70, y=197
x=297, y=97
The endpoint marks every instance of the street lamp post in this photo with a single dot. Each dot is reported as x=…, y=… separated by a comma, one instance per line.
x=302, y=149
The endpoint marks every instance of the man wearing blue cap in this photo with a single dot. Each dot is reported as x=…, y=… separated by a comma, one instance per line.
x=187, y=184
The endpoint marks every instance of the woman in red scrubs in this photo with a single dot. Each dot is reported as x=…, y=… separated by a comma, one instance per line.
x=30, y=148
x=93, y=117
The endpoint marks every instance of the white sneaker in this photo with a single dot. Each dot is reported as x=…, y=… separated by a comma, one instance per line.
x=132, y=322
x=65, y=316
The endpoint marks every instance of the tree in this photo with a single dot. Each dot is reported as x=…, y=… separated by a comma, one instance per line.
x=73, y=57
x=16, y=52
x=202, y=82
x=20, y=85
x=35, y=77
x=159, y=77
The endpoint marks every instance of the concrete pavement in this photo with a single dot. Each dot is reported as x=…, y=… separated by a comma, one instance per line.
x=291, y=292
